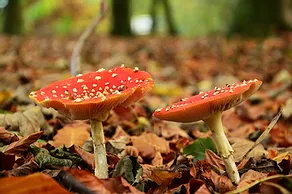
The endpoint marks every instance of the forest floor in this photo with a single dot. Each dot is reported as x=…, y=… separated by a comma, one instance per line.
x=146, y=154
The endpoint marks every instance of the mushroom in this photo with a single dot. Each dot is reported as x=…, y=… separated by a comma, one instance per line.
x=208, y=106
x=92, y=96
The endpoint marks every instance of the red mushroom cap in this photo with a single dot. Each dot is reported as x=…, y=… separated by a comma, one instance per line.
x=93, y=95
x=205, y=104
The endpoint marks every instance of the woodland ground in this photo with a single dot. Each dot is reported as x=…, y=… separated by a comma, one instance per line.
x=146, y=154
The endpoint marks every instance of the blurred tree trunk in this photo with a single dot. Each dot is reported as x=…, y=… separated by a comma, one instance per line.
x=172, y=30
x=121, y=17
x=259, y=17
x=13, y=18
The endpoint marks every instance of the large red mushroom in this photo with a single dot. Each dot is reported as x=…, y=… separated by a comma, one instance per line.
x=209, y=106
x=92, y=96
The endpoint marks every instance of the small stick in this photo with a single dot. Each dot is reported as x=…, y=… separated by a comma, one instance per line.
x=84, y=36
x=264, y=134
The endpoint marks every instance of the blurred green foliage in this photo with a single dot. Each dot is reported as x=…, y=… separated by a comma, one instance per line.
x=66, y=17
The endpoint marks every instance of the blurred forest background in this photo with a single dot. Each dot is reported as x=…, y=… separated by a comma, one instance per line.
x=128, y=17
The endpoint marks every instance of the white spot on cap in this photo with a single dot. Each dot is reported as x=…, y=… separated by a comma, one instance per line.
x=129, y=78
x=97, y=78
x=100, y=70
x=114, y=75
x=94, y=85
x=136, y=69
x=77, y=100
x=78, y=75
x=80, y=80
x=75, y=90
x=54, y=91
x=42, y=92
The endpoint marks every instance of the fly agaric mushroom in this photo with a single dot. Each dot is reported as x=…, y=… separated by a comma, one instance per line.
x=208, y=106
x=92, y=96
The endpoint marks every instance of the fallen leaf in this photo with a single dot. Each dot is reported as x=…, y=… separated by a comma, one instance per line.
x=286, y=109
x=212, y=158
x=120, y=143
x=249, y=177
x=282, y=135
x=157, y=160
x=199, y=147
x=72, y=134
x=221, y=183
x=86, y=156
x=240, y=190
x=242, y=146
x=129, y=168
x=271, y=188
x=27, y=122
x=264, y=134
x=148, y=144
x=22, y=145
x=161, y=176
x=203, y=190
x=119, y=185
x=7, y=137
x=120, y=132
x=171, y=130
x=45, y=160
x=34, y=183
x=6, y=161
x=25, y=169
x=89, y=180
x=263, y=165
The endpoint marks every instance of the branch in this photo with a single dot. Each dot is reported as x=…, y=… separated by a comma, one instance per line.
x=84, y=36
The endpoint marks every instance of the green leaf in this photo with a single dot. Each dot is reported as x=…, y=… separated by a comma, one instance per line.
x=199, y=147
x=44, y=159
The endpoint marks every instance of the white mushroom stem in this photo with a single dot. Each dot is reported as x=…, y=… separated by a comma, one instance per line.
x=101, y=168
x=225, y=151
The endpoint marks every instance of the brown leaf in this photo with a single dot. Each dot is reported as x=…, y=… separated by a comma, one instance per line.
x=160, y=176
x=72, y=134
x=25, y=169
x=6, y=161
x=157, y=160
x=148, y=144
x=22, y=145
x=27, y=122
x=249, y=177
x=212, y=158
x=7, y=137
x=86, y=156
x=35, y=183
x=171, y=130
x=221, y=183
x=89, y=180
x=271, y=188
x=241, y=146
x=119, y=185
x=119, y=132
x=281, y=135
x=198, y=134
x=203, y=190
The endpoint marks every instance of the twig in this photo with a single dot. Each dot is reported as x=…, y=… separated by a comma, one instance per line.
x=79, y=44
x=264, y=134
x=240, y=190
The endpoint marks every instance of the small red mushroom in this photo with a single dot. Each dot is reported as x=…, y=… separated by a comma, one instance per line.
x=92, y=96
x=208, y=106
